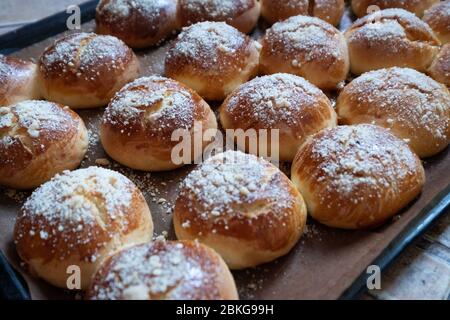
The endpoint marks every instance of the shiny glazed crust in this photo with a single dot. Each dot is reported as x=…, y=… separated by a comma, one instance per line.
x=164, y=270
x=242, y=206
x=355, y=177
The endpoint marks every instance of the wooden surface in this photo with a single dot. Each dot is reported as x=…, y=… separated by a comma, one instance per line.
x=422, y=271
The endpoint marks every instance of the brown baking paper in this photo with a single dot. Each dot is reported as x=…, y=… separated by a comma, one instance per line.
x=322, y=265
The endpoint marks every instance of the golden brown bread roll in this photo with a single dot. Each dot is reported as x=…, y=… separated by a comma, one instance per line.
x=307, y=47
x=329, y=10
x=139, y=23
x=18, y=80
x=80, y=218
x=212, y=58
x=411, y=105
x=37, y=140
x=242, y=206
x=138, y=124
x=280, y=101
x=356, y=176
x=362, y=7
x=440, y=68
x=241, y=14
x=84, y=70
x=438, y=18
x=164, y=270
x=390, y=38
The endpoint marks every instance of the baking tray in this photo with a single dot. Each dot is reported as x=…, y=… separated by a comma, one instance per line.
x=325, y=264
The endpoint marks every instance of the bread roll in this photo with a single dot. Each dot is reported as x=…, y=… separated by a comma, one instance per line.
x=241, y=206
x=356, y=177
x=164, y=270
x=280, y=101
x=37, y=140
x=329, y=10
x=84, y=70
x=440, y=68
x=212, y=58
x=79, y=218
x=411, y=105
x=18, y=81
x=138, y=124
x=390, y=38
x=362, y=7
x=138, y=23
x=241, y=14
x=307, y=47
x=438, y=18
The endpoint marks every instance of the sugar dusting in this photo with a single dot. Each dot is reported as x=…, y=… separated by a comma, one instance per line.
x=159, y=270
x=311, y=37
x=205, y=43
x=274, y=99
x=354, y=158
x=73, y=201
x=33, y=117
x=227, y=180
x=410, y=98
x=152, y=101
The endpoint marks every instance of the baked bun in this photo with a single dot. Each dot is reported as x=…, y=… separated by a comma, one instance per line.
x=139, y=23
x=438, y=18
x=80, y=218
x=242, y=206
x=37, y=140
x=308, y=47
x=164, y=270
x=390, y=38
x=411, y=105
x=440, y=68
x=138, y=124
x=280, y=101
x=18, y=80
x=362, y=7
x=356, y=177
x=212, y=58
x=329, y=10
x=84, y=70
x=241, y=14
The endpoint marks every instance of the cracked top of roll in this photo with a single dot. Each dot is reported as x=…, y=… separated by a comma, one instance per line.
x=209, y=48
x=86, y=57
x=391, y=23
x=154, y=106
x=30, y=128
x=161, y=270
x=77, y=212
